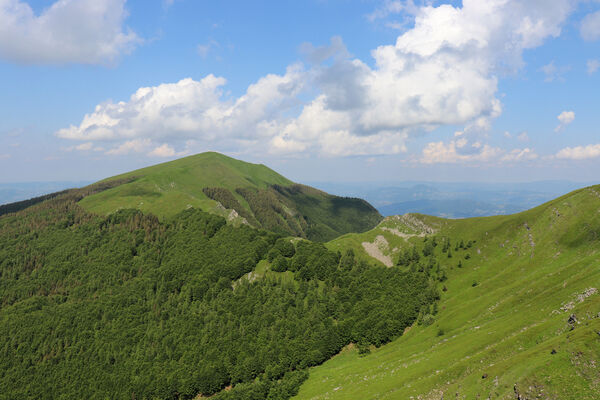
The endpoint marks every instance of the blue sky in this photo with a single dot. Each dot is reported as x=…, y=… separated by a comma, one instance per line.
x=320, y=90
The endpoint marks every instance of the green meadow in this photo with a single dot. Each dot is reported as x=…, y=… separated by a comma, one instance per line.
x=502, y=329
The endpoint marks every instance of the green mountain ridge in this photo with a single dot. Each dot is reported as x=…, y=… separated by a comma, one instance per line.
x=239, y=191
x=519, y=315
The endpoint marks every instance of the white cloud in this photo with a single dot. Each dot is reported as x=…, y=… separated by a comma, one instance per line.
x=163, y=150
x=593, y=66
x=580, y=152
x=565, y=118
x=443, y=71
x=130, y=146
x=590, y=26
x=69, y=31
x=87, y=146
x=520, y=155
x=458, y=151
x=84, y=146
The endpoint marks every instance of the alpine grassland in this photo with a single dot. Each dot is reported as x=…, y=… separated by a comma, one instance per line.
x=518, y=318
x=239, y=191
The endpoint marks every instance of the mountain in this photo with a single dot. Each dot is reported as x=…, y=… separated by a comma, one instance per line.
x=18, y=191
x=519, y=314
x=172, y=302
x=454, y=208
x=129, y=306
x=453, y=199
x=240, y=191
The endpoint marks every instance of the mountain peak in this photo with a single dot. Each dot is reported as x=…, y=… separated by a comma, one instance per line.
x=240, y=191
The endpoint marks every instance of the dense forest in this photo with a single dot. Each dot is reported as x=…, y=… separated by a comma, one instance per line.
x=298, y=210
x=127, y=306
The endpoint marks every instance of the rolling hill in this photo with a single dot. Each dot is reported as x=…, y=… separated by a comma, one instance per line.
x=519, y=315
x=239, y=191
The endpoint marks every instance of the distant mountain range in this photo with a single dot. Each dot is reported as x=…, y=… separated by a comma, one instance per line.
x=17, y=191
x=453, y=200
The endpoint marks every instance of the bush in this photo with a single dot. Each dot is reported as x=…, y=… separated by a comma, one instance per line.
x=427, y=320
x=285, y=247
x=280, y=264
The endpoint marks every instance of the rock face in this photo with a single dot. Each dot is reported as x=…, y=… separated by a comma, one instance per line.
x=377, y=250
x=572, y=321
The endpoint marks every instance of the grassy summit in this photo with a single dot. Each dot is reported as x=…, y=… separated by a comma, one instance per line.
x=240, y=191
x=503, y=327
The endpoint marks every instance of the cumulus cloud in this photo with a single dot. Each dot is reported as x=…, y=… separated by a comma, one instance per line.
x=163, y=150
x=580, y=152
x=130, y=146
x=69, y=31
x=88, y=146
x=565, y=118
x=458, y=151
x=443, y=71
x=590, y=26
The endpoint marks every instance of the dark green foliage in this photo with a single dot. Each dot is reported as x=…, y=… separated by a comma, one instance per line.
x=271, y=212
x=72, y=193
x=285, y=247
x=21, y=205
x=228, y=200
x=126, y=306
x=280, y=264
x=348, y=260
x=428, y=249
x=328, y=216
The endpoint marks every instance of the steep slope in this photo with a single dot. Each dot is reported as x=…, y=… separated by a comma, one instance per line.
x=518, y=316
x=241, y=192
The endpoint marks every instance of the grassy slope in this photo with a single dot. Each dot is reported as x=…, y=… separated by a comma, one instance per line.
x=503, y=329
x=168, y=188
x=165, y=189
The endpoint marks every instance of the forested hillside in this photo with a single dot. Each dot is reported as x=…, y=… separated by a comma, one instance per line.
x=127, y=306
x=519, y=315
x=242, y=192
